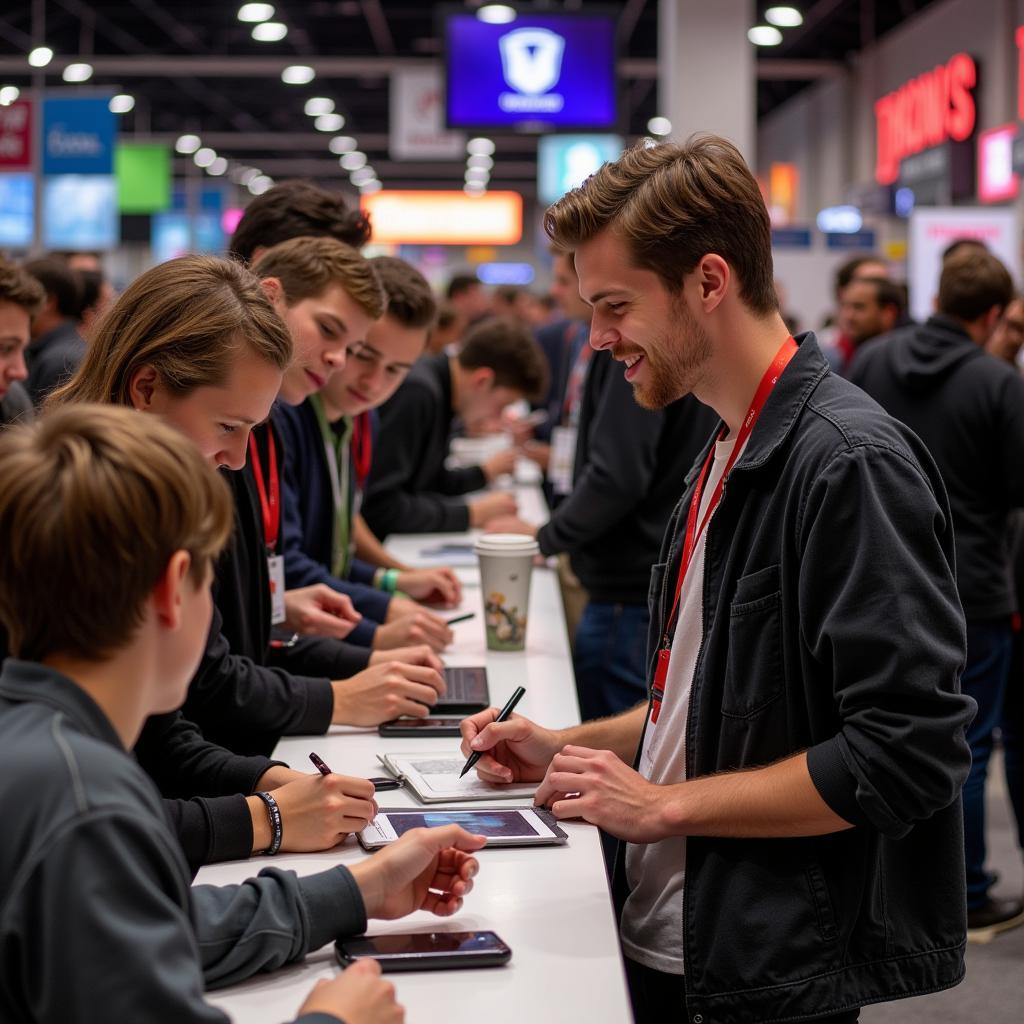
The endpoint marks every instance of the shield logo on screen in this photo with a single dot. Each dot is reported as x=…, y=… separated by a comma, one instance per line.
x=531, y=59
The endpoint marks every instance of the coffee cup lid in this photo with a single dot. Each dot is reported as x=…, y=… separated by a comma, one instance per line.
x=506, y=544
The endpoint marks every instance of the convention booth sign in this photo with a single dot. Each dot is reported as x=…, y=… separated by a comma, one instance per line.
x=16, y=136
x=417, y=217
x=564, y=162
x=933, y=229
x=417, y=117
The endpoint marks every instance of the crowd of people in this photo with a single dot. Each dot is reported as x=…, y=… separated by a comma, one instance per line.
x=790, y=569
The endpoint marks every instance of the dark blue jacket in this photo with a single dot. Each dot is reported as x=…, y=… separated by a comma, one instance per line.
x=307, y=519
x=831, y=625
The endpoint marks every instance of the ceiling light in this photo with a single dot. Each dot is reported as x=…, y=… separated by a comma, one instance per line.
x=362, y=175
x=318, y=105
x=764, y=35
x=783, y=17
x=472, y=189
x=204, y=157
x=342, y=144
x=40, y=56
x=496, y=14
x=121, y=103
x=297, y=74
x=249, y=175
x=269, y=32
x=255, y=12
x=187, y=144
x=659, y=126
x=480, y=147
x=329, y=123
x=477, y=174
x=218, y=167
x=77, y=73
x=8, y=94
x=353, y=161
x=260, y=184
x=480, y=161
x=370, y=187
x=238, y=172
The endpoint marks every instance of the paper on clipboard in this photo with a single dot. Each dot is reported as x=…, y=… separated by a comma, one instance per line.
x=433, y=776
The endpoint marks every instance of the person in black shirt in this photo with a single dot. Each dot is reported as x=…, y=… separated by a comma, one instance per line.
x=57, y=348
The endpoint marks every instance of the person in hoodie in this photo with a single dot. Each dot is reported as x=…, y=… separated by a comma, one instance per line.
x=968, y=408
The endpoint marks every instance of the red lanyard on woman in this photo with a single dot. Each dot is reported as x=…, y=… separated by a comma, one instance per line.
x=362, y=448
x=694, y=530
x=270, y=502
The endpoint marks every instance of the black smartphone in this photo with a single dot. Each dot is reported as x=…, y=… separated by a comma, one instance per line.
x=425, y=951
x=420, y=727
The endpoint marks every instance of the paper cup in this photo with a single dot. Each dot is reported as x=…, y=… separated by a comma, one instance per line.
x=506, y=561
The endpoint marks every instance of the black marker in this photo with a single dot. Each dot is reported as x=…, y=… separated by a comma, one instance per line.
x=503, y=715
x=462, y=618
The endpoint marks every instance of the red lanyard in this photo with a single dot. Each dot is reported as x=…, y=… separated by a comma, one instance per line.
x=362, y=448
x=270, y=504
x=695, y=530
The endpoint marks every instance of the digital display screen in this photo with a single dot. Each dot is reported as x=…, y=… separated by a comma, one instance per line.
x=16, y=210
x=80, y=211
x=421, y=943
x=548, y=69
x=493, y=824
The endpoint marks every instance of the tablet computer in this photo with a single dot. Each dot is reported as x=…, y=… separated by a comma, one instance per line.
x=503, y=826
x=466, y=691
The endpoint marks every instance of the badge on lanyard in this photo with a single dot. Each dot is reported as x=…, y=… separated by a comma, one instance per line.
x=270, y=507
x=563, y=459
x=275, y=566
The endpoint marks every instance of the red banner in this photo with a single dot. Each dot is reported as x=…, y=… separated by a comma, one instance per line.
x=16, y=136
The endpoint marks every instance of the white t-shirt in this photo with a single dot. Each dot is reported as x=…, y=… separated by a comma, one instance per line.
x=652, y=919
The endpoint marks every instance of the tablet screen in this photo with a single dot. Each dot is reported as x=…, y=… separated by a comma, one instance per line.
x=509, y=824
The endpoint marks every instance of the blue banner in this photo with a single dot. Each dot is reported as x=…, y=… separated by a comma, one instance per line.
x=791, y=238
x=865, y=240
x=78, y=136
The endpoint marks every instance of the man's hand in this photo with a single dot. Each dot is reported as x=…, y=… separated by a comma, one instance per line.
x=426, y=869
x=433, y=586
x=405, y=627
x=501, y=464
x=317, y=812
x=421, y=654
x=488, y=506
x=599, y=787
x=386, y=691
x=511, y=524
x=538, y=452
x=359, y=995
x=320, y=611
x=518, y=750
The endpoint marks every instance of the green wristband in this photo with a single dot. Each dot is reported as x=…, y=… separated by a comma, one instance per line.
x=389, y=581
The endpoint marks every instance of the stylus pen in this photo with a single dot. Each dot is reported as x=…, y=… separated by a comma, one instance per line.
x=462, y=618
x=321, y=765
x=503, y=715
x=378, y=783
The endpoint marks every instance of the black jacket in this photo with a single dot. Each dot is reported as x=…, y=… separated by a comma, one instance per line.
x=99, y=921
x=968, y=408
x=52, y=359
x=409, y=490
x=237, y=698
x=15, y=406
x=831, y=625
x=630, y=464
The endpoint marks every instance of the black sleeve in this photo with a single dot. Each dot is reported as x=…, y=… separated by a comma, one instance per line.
x=247, y=707
x=616, y=476
x=211, y=829
x=321, y=656
x=393, y=503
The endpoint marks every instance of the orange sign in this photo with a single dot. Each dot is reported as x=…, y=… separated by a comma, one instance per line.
x=445, y=218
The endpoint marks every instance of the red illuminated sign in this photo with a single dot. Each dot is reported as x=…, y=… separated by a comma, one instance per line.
x=930, y=109
x=997, y=181
x=16, y=136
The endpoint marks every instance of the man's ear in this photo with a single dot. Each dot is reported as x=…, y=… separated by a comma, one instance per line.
x=167, y=594
x=142, y=387
x=272, y=289
x=482, y=378
x=713, y=279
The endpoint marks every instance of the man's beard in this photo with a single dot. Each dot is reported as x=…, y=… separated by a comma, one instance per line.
x=674, y=364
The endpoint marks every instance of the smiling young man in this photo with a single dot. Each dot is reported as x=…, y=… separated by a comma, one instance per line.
x=788, y=798
x=21, y=297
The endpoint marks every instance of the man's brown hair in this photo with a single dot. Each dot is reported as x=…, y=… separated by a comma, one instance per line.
x=94, y=501
x=188, y=318
x=295, y=208
x=509, y=349
x=673, y=205
x=20, y=288
x=307, y=267
x=972, y=282
x=409, y=298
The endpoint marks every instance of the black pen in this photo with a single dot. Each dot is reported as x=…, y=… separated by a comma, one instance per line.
x=462, y=618
x=503, y=715
x=378, y=783
x=321, y=766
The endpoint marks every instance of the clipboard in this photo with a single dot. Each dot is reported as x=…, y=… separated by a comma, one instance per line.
x=433, y=778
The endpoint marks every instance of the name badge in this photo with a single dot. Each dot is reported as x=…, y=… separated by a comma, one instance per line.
x=563, y=457
x=275, y=566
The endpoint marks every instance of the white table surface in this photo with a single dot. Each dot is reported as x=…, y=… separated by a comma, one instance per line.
x=550, y=904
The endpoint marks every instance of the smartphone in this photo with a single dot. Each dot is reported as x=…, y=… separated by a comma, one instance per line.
x=425, y=951
x=420, y=727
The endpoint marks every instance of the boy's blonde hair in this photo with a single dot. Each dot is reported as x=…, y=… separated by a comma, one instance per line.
x=94, y=501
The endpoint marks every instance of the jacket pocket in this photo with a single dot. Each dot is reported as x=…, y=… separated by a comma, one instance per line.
x=754, y=669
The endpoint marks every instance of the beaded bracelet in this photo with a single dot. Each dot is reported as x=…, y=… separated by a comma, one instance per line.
x=276, y=827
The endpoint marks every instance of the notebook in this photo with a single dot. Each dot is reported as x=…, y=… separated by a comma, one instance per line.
x=433, y=777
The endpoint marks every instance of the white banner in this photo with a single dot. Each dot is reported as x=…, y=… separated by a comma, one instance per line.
x=417, y=118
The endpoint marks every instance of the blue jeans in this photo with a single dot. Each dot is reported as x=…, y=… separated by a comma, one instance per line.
x=989, y=646
x=610, y=658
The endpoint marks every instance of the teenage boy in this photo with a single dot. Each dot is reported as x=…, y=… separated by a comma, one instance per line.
x=57, y=347
x=968, y=408
x=616, y=502
x=21, y=298
x=329, y=439
x=99, y=919
x=791, y=823
x=410, y=490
